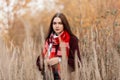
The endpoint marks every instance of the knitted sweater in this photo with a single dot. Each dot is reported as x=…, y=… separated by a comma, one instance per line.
x=74, y=48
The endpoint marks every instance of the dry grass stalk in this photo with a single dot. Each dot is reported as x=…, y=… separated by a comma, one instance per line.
x=64, y=66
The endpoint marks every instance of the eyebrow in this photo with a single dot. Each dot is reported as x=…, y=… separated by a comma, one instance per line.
x=57, y=22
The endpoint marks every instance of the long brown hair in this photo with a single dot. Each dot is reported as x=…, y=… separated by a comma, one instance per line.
x=64, y=22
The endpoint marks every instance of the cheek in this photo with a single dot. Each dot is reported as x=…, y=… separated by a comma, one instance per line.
x=62, y=28
x=53, y=27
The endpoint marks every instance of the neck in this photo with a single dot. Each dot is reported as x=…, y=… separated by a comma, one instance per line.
x=59, y=33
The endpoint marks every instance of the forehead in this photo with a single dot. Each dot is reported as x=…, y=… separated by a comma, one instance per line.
x=56, y=19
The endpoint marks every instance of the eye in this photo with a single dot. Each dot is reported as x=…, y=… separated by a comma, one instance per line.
x=59, y=22
x=54, y=23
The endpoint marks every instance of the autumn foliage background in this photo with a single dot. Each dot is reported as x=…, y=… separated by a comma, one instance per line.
x=24, y=24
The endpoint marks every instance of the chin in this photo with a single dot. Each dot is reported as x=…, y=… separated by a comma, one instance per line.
x=58, y=32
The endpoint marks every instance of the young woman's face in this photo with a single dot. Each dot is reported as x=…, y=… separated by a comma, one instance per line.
x=57, y=25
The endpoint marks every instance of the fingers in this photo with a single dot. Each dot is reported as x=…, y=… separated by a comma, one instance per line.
x=53, y=61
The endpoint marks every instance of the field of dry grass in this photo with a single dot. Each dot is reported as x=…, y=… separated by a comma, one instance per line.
x=100, y=59
x=97, y=27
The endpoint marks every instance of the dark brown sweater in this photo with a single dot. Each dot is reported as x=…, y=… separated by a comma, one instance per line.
x=74, y=48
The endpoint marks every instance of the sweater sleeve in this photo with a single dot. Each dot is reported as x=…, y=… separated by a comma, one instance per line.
x=74, y=48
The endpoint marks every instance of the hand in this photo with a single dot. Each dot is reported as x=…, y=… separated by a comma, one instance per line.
x=53, y=61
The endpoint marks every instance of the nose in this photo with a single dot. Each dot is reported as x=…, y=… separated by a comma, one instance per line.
x=57, y=25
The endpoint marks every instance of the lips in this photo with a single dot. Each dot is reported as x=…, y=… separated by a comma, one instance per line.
x=57, y=29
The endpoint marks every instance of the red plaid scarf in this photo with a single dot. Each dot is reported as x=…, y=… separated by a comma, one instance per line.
x=54, y=43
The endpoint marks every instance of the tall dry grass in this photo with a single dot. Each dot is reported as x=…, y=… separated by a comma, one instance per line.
x=99, y=43
x=100, y=58
x=19, y=64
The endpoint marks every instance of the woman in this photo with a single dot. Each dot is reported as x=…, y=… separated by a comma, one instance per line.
x=59, y=33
